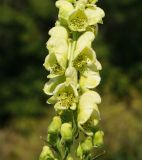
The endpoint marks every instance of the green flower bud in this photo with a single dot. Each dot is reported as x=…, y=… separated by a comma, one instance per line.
x=87, y=145
x=79, y=152
x=98, y=138
x=66, y=132
x=46, y=154
x=55, y=125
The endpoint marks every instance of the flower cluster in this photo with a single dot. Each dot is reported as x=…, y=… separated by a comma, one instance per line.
x=73, y=74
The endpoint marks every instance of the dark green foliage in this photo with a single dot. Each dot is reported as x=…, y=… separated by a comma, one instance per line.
x=24, y=29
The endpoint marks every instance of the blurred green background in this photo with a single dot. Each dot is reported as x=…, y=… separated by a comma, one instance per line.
x=24, y=115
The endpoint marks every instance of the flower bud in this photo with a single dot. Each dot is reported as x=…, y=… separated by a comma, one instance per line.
x=66, y=131
x=98, y=138
x=79, y=151
x=87, y=145
x=46, y=154
x=55, y=125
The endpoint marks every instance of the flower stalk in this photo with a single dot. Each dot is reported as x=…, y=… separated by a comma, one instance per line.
x=73, y=76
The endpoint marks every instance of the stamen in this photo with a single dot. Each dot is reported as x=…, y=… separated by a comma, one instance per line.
x=78, y=23
x=80, y=63
x=57, y=69
x=67, y=99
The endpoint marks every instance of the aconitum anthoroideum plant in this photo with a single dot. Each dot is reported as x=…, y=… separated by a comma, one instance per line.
x=73, y=75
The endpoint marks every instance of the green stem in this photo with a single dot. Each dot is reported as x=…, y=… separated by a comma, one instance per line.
x=72, y=50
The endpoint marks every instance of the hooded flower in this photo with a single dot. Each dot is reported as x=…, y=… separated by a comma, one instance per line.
x=52, y=65
x=66, y=96
x=85, y=61
x=65, y=9
x=58, y=46
x=88, y=113
x=78, y=20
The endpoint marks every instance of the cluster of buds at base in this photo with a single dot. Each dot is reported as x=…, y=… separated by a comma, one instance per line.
x=73, y=75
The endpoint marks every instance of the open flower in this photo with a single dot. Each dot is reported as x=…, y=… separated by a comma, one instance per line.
x=66, y=96
x=88, y=113
x=78, y=20
x=84, y=59
x=59, y=48
x=56, y=61
x=87, y=64
x=65, y=9
x=52, y=65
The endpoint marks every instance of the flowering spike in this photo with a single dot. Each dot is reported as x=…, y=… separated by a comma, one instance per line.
x=73, y=75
